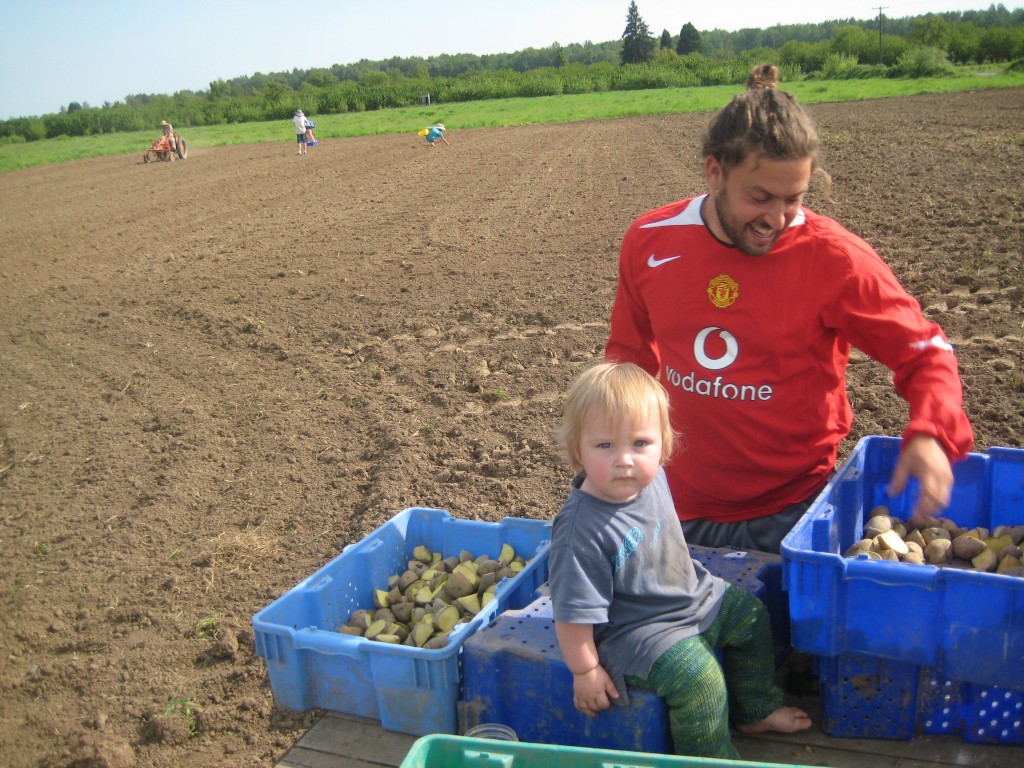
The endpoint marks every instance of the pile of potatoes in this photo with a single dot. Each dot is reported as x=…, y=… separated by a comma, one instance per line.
x=421, y=605
x=943, y=544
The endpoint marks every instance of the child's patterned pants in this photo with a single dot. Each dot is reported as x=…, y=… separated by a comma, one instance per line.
x=702, y=695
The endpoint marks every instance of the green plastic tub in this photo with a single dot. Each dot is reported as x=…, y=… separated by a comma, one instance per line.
x=442, y=751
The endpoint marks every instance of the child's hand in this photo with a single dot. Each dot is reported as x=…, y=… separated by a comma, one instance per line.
x=593, y=691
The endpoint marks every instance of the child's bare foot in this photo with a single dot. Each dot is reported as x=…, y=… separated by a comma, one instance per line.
x=782, y=720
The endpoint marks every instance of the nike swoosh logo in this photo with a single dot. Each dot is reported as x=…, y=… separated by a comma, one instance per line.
x=653, y=262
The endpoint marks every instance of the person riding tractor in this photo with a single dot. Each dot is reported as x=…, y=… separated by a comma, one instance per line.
x=170, y=135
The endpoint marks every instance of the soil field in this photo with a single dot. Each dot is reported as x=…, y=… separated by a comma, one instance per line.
x=216, y=373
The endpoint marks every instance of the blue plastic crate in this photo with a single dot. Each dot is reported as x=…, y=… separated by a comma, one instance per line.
x=410, y=690
x=868, y=697
x=514, y=674
x=759, y=573
x=967, y=626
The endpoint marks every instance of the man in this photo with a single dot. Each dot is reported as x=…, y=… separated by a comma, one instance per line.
x=168, y=130
x=745, y=304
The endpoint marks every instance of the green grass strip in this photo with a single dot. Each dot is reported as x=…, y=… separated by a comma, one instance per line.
x=489, y=114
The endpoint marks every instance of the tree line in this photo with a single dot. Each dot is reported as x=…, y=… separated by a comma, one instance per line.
x=923, y=46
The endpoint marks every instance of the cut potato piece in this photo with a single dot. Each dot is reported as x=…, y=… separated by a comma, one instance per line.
x=891, y=540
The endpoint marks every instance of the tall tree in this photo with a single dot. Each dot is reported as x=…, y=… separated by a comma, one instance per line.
x=689, y=40
x=666, y=39
x=219, y=90
x=637, y=43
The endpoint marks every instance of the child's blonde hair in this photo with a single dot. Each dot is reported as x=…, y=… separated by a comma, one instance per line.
x=619, y=391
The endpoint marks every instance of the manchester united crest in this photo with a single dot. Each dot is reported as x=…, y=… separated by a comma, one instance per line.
x=723, y=291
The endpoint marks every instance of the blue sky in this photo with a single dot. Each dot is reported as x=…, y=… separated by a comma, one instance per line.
x=53, y=52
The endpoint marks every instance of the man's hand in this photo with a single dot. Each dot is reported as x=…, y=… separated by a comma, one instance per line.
x=922, y=457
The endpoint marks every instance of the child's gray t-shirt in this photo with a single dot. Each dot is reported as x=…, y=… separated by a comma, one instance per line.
x=626, y=569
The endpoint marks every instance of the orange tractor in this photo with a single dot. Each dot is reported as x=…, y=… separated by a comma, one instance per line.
x=166, y=147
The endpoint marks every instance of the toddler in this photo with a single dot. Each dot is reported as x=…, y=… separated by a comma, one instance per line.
x=630, y=605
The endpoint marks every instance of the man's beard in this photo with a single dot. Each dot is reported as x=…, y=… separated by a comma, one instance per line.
x=737, y=233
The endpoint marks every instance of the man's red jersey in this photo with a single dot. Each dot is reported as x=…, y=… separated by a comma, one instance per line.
x=753, y=352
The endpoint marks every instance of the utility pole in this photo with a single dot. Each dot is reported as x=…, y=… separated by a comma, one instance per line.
x=880, y=8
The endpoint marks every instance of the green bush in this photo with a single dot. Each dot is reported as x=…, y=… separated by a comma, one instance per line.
x=806, y=57
x=638, y=77
x=923, y=61
x=541, y=85
x=1015, y=66
x=22, y=129
x=578, y=84
x=841, y=66
x=708, y=71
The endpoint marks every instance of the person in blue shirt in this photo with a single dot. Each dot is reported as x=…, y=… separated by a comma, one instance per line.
x=435, y=133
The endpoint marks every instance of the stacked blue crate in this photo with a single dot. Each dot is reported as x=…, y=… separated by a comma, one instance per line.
x=868, y=697
x=905, y=649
